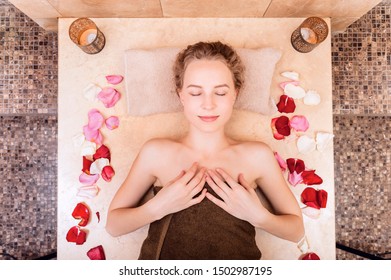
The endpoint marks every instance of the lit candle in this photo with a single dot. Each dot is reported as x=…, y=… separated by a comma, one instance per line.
x=308, y=35
x=87, y=37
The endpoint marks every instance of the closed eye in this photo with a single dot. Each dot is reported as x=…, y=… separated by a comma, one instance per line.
x=221, y=93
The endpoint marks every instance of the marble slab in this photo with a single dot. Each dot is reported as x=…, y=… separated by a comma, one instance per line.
x=77, y=70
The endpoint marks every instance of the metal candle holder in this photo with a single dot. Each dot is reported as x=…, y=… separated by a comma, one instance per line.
x=309, y=34
x=87, y=36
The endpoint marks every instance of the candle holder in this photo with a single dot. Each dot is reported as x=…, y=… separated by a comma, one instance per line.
x=309, y=34
x=87, y=36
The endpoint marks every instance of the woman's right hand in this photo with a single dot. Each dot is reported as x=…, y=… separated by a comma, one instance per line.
x=181, y=192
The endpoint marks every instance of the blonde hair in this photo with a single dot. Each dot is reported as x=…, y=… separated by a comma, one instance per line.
x=211, y=51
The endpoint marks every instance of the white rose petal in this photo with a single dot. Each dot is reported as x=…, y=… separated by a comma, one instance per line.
x=78, y=140
x=306, y=144
x=91, y=92
x=98, y=165
x=88, y=191
x=291, y=75
x=311, y=212
x=296, y=92
x=311, y=98
x=323, y=139
x=88, y=148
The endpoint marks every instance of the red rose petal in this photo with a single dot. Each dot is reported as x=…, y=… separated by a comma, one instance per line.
x=107, y=173
x=310, y=257
x=286, y=104
x=96, y=253
x=321, y=196
x=295, y=164
x=86, y=165
x=276, y=135
x=102, y=152
x=82, y=212
x=76, y=235
x=314, y=198
x=310, y=178
x=282, y=126
x=98, y=216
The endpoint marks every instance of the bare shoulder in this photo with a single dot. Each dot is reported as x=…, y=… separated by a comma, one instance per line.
x=158, y=148
x=255, y=150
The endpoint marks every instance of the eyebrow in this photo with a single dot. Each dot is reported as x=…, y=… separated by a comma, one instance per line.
x=218, y=86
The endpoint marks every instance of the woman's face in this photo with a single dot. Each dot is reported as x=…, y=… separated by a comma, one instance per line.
x=208, y=94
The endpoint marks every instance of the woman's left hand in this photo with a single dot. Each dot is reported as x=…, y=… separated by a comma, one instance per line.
x=237, y=198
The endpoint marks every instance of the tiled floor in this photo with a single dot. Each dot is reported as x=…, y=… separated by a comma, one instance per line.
x=28, y=134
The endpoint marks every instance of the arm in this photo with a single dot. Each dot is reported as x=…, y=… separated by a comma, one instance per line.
x=240, y=199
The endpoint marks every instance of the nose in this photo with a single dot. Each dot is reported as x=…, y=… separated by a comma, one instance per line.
x=208, y=102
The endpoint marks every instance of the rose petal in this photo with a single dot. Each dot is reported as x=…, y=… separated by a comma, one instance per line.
x=112, y=122
x=102, y=152
x=91, y=92
x=286, y=104
x=276, y=135
x=283, y=84
x=93, y=135
x=323, y=140
x=88, y=191
x=76, y=235
x=311, y=98
x=310, y=257
x=296, y=92
x=114, y=79
x=82, y=212
x=280, y=161
x=291, y=75
x=96, y=253
x=306, y=144
x=98, y=165
x=98, y=216
x=78, y=140
x=310, y=178
x=107, y=173
x=295, y=178
x=311, y=212
x=88, y=148
x=87, y=179
x=295, y=165
x=299, y=123
x=109, y=97
x=283, y=126
x=314, y=198
x=86, y=165
x=95, y=119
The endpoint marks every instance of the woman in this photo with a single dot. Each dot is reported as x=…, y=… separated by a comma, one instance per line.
x=207, y=206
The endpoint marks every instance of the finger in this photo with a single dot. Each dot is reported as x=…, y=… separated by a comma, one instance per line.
x=218, y=181
x=189, y=174
x=199, y=198
x=176, y=178
x=217, y=189
x=193, y=183
x=227, y=178
x=244, y=182
x=198, y=188
x=217, y=201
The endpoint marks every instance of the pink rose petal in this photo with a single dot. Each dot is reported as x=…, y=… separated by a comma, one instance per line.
x=112, y=122
x=281, y=162
x=114, y=79
x=93, y=135
x=95, y=119
x=283, y=84
x=299, y=123
x=294, y=178
x=109, y=96
x=87, y=179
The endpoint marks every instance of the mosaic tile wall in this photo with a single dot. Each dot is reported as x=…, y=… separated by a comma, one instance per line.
x=28, y=135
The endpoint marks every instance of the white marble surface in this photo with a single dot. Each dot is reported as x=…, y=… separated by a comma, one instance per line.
x=77, y=70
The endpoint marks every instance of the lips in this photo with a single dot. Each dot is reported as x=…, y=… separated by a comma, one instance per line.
x=208, y=118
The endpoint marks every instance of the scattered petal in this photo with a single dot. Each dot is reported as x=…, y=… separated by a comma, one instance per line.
x=314, y=198
x=323, y=139
x=76, y=235
x=108, y=173
x=291, y=75
x=78, y=140
x=82, y=212
x=286, y=104
x=98, y=216
x=310, y=257
x=283, y=84
x=276, y=135
x=109, y=96
x=295, y=178
x=282, y=125
x=299, y=123
x=95, y=119
x=296, y=92
x=102, y=152
x=87, y=179
x=86, y=165
x=311, y=98
x=98, y=165
x=295, y=165
x=311, y=212
x=96, y=253
x=306, y=144
x=114, y=79
x=88, y=148
x=88, y=191
x=281, y=162
x=93, y=135
x=310, y=178
x=91, y=92
x=112, y=122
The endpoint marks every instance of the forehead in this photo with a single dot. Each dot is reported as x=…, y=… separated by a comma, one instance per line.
x=207, y=70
